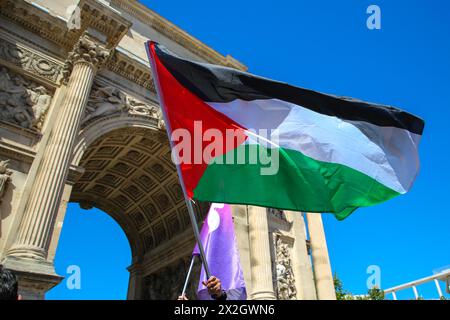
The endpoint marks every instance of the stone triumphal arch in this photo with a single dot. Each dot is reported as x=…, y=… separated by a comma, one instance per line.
x=80, y=122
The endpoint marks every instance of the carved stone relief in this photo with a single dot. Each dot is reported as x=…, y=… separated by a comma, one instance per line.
x=284, y=281
x=167, y=283
x=86, y=50
x=108, y=100
x=30, y=61
x=277, y=213
x=5, y=177
x=22, y=102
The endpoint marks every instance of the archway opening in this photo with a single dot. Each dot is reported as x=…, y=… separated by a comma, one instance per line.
x=128, y=173
x=93, y=254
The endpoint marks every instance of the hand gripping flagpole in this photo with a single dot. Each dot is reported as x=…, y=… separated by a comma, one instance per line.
x=180, y=176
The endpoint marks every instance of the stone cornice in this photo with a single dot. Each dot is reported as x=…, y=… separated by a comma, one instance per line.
x=108, y=22
x=131, y=69
x=17, y=153
x=94, y=15
x=104, y=19
x=176, y=34
x=39, y=21
x=31, y=136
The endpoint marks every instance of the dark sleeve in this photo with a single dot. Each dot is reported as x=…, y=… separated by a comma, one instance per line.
x=222, y=297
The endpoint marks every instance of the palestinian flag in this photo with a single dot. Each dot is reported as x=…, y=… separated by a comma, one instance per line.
x=334, y=154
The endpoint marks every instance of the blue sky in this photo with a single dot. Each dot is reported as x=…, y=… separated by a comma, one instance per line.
x=325, y=46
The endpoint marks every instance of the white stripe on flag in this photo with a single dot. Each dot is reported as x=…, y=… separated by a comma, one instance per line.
x=386, y=154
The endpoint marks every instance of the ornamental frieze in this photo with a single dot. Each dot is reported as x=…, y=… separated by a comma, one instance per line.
x=22, y=102
x=30, y=61
x=108, y=100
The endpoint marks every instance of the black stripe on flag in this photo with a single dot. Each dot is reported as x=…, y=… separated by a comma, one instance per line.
x=213, y=83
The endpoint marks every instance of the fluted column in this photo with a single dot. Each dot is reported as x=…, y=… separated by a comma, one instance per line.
x=34, y=233
x=261, y=264
x=301, y=264
x=321, y=261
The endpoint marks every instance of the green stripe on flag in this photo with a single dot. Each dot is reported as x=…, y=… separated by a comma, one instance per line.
x=301, y=184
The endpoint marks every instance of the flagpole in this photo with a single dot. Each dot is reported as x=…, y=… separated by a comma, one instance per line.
x=188, y=276
x=180, y=176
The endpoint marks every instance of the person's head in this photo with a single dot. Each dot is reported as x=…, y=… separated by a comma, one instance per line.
x=8, y=285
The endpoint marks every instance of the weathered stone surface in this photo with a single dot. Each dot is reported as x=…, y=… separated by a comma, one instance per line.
x=5, y=177
x=30, y=60
x=22, y=102
x=284, y=276
x=108, y=100
x=167, y=283
x=86, y=50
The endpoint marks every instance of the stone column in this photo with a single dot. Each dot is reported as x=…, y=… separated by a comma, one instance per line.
x=59, y=222
x=35, y=230
x=321, y=261
x=301, y=264
x=135, y=282
x=261, y=264
x=240, y=221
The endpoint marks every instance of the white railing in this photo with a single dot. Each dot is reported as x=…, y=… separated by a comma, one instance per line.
x=443, y=276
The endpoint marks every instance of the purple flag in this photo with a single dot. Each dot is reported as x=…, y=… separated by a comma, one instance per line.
x=219, y=241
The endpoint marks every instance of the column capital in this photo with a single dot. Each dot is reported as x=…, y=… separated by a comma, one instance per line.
x=87, y=50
